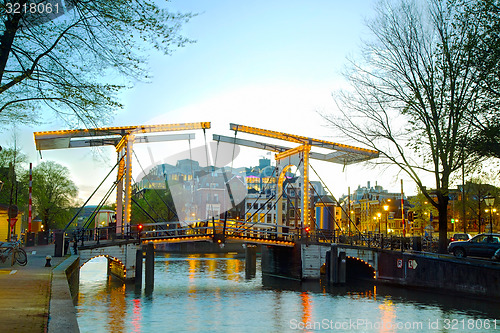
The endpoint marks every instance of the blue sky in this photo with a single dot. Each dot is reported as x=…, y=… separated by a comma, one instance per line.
x=268, y=64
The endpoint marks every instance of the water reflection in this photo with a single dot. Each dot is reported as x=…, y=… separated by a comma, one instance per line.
x=388, y=315
x=210, y=293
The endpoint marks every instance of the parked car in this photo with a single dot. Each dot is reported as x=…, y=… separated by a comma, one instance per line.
x=460, y=237
x=482, y=245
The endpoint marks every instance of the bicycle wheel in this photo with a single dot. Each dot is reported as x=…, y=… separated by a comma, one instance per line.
x=21, y=257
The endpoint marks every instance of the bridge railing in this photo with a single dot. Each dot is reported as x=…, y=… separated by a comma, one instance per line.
x=219, y=227
x=374, y=240
x=99, y=234
x=258, y=231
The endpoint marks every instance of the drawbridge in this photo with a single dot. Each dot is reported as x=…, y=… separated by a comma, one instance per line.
x=217, y=226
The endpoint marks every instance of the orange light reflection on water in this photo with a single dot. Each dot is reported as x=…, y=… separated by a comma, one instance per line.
x=388, y=315
x=306, y=307
x=233, y=269
x=194, y=262
x=117, y=307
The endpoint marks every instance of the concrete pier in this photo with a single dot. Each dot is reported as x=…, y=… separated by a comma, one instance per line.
x=138, y=269
x=149, y=273
x=250, y=261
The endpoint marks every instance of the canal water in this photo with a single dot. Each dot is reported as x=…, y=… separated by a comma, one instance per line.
x=210, y=293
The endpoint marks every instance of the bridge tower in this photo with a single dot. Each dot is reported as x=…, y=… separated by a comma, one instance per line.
x=123, y=138
x=299, y=157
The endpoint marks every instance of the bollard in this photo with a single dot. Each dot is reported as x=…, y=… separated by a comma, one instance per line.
x=48, y=259
x=59, y=244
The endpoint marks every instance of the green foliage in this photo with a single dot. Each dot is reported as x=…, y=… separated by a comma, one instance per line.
x=70, y=64
x=54, y=194
x=154, y=202
x=13, y=190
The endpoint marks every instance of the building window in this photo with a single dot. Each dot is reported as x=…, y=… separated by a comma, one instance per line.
x=249, y=205
x=269, y=218
x=255, y=206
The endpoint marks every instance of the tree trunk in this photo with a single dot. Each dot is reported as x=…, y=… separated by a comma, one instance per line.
x=443, y=222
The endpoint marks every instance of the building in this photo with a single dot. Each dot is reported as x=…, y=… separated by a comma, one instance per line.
x=249, y=194
x=374, y=210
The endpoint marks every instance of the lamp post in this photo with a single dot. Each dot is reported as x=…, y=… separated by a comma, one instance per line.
x=386, y=208
x=379, y=230
x=490, y=200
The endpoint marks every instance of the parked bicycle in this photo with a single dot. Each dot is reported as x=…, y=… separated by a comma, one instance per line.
x=14, y=250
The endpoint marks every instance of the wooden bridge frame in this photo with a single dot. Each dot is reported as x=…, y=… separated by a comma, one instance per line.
x=299, y=157
x=123, y=138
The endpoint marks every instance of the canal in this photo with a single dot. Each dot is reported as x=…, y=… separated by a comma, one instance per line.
x=210, y=293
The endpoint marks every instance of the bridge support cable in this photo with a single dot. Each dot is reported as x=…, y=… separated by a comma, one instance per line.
x=278, y=223
x=150, y=207
x=155, y=191
x=100, y=205
x=86, y=202
x=329, y=213
x=272, y=197
x=81, y=232
x=147, y=214
x=348, y=215
x=260, y=194
x=226, y=181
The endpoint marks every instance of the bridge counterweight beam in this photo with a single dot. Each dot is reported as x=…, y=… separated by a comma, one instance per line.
x=306, y=216
x=128, y=184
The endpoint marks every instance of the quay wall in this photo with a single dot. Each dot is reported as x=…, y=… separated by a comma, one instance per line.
x=440, y=272
x=64, y=291
x=414, y=269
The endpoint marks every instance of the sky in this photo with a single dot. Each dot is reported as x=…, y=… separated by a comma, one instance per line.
x=267, y=64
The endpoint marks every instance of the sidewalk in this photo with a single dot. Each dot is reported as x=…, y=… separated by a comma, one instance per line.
x=25, y=291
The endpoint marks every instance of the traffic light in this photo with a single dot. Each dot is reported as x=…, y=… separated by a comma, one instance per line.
x=139, y=230
x=452, y=220
x=307, y=229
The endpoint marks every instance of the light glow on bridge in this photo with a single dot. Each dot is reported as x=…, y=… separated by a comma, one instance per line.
x=364, y=262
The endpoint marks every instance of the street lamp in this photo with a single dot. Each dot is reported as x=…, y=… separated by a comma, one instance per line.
x=386, y=208
x=490, y=200
x=379, y=230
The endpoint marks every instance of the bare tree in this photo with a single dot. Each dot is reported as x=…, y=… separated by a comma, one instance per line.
x=66, y=57
x=414, y=92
